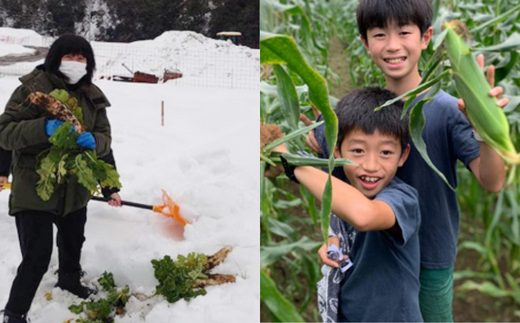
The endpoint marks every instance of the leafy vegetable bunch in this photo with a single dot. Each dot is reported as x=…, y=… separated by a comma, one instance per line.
x=184, y=278
x=177, y=278
x=102, y=310
x=65, y=158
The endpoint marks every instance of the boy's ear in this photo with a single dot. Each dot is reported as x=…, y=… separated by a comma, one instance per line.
x=404, y=155
x=365, y=43
x=337, y=154
x=426, y=37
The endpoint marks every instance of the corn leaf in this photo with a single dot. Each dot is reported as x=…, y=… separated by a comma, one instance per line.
x=461, y=274
x=504, y=69
x=296, y=160
x=326, y=207
x=281, y=229
x=271, y=254
x=502, y=17
x=419, y=89
x=510, y=44
x=487, y=288
x=310, y=201
x=272, y=90
x=281, y=49
x=288, y=97
x=281, y=308
x=515, y=227
x=473, y=246
x=290, y=136
x=417, y=123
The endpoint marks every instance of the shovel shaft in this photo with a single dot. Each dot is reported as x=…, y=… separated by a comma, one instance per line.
x=138, y=205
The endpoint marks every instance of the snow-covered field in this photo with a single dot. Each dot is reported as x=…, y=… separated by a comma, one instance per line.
x=205, y=158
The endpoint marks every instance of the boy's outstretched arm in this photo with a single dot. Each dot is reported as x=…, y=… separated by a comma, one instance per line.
x=489, y=167
x=348, y=203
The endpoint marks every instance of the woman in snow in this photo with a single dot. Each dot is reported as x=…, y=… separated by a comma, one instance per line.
x=25, y=130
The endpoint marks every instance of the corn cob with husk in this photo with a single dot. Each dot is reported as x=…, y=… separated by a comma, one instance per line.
x=485, y=115
x=58, y=109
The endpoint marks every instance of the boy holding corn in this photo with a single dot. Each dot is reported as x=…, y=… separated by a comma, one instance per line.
x=378, y=212
x=394, y=33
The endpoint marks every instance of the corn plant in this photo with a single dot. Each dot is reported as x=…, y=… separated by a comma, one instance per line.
x=294, y=40
x=292, y=59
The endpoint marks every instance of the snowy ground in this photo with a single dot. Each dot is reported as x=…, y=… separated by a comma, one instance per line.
x=205, y=157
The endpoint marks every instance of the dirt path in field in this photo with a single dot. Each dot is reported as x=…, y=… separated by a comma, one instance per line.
x=40, y=53
x=338, y=62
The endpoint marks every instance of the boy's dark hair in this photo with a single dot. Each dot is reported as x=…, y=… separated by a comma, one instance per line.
x=70, y=44
x=378, y=13
x=355, y=111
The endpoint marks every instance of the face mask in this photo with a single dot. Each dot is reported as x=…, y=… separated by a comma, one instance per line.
x=73, y=70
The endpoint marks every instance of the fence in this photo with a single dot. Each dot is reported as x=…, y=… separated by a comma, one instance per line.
x=201, y=65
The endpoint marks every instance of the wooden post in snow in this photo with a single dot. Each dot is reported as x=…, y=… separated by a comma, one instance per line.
x=162, y=113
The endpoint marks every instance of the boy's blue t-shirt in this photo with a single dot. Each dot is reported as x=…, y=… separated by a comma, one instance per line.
x=383, y=282
x=449, y=137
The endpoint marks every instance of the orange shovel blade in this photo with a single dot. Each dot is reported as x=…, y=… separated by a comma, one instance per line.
x=170, y=208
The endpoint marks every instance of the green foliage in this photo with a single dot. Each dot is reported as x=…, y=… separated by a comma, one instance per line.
x=103, y=310
x=176, y=278
x=65, y=158
x=292, y=35
x=107, y=281
x=494, y=222
x=283, y=309
x=87, y=320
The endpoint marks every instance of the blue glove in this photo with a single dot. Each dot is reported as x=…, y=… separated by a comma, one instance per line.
x=51, y=126
x=86, y=140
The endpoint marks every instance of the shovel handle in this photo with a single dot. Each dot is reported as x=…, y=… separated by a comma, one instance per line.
x=138, y=205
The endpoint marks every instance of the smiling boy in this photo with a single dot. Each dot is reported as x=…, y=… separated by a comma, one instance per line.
x=380, y=212
x=394, y=33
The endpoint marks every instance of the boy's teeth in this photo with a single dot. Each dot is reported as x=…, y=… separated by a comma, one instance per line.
x=370, y=179
x=395, y=60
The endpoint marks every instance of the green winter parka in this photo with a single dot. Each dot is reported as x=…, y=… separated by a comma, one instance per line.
x=22, y=130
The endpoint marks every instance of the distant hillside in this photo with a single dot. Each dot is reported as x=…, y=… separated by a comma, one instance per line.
x=131, y=20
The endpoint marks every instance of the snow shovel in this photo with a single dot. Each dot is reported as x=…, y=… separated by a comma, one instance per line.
x=168, y=208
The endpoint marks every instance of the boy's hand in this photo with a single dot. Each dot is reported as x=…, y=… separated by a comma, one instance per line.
x=273, y=171
x=3, y=180
x=322, y=253
x=495, y=91
x=115, y=200
x=311, y=139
